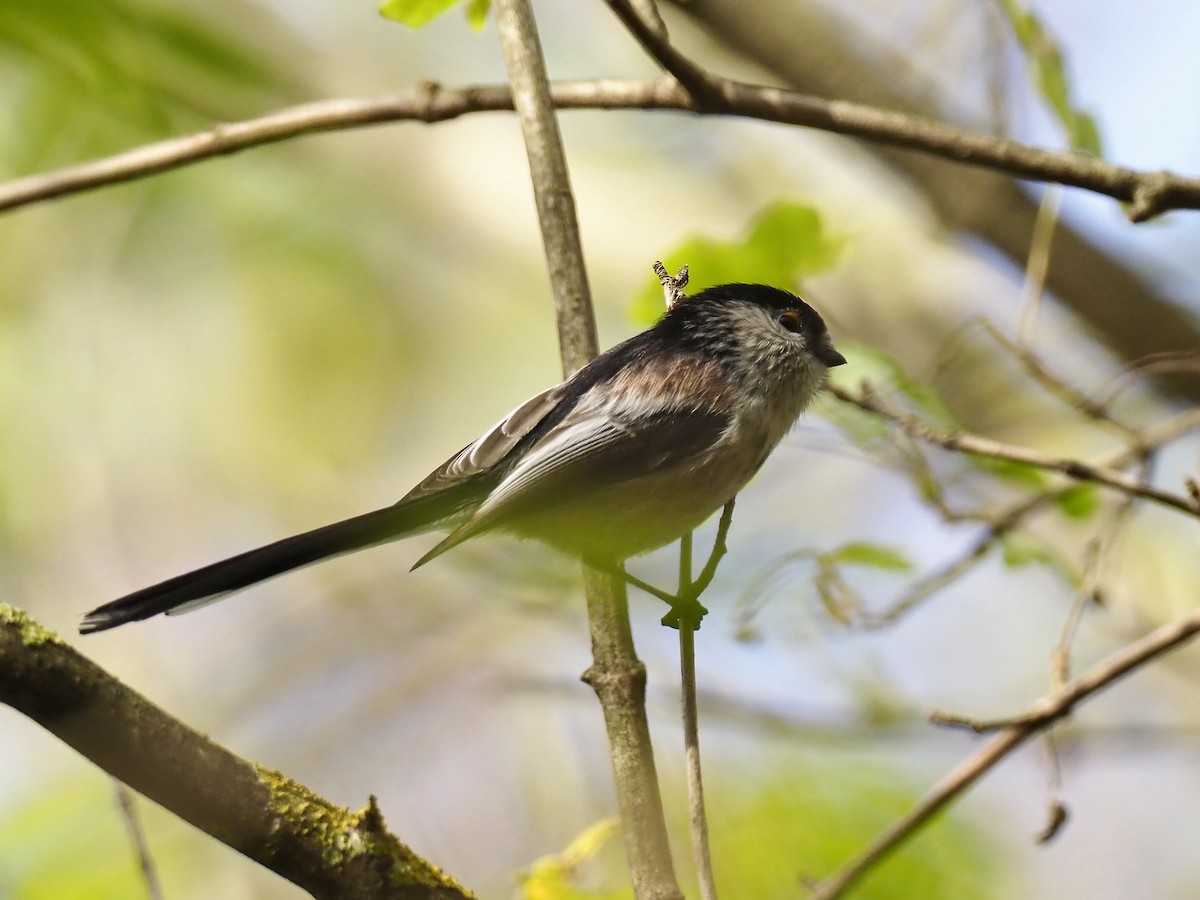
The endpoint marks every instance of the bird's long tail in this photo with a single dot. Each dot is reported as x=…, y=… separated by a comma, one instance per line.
x=215, y=581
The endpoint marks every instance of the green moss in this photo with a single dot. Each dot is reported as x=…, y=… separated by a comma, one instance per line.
x=345, y=836
x=33, y=634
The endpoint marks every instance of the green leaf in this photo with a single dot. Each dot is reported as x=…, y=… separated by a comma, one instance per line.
x=1018, y=473
x=710, y=262
x=414, y=13
x=1049, y=72
x=784, y=243
x=821, y=807
x=1020, y=551
x=555, y=877
x=865, y=429
x=1080, y=501
x=885, y=372
x=790, y=236
x=85, y=79
x=477, y=13
x=876, y=556
x=926, y=399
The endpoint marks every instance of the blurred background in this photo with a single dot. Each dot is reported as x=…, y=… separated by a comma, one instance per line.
x=207, y=360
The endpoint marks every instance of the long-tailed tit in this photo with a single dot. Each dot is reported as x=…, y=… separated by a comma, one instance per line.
x=628, y=454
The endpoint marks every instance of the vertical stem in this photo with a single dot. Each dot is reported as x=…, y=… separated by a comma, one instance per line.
x=701, y=853
x=691, y=749
x=522, y=51
x=616, y=674
x=619, y=679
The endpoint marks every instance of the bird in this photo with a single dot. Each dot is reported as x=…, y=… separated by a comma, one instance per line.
x=626, y=455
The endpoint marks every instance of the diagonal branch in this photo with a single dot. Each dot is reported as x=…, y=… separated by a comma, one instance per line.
x=652, y=35
x=325, y=849
x=981, y=446
x=1012, y=733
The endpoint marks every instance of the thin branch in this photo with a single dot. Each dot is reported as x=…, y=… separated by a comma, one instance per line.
x=1038, y=264
x=137, y=835
x=1059, y=387
x=325, y=849
x=616, y=674
x=1004, y=522
x=1167, y=362
x=1012, y=733
x=1060, y=656
x=698, y=817
x=690, y=714
x=690, y=708
x=1148, y=193
x=652, y=35
x=1056, y=809
x=981, y=446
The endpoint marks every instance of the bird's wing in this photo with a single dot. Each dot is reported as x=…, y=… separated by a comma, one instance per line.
x=591, y=449
x=482, y=454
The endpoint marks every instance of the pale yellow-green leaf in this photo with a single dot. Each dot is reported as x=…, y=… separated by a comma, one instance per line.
x=876, y=556
x=1048, y=70
x=783, y=244
x=414, y=13
x=554, y=877
x=477, y=13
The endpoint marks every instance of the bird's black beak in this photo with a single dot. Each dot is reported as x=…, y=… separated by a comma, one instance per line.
x=829, y=356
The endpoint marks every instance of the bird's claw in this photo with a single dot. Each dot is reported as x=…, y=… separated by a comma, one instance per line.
x=685, y=611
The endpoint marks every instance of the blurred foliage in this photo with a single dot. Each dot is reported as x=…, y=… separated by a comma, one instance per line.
x=255, y=335
x=415, y=13
x=278, y=313
x=80, y=79
x=887, y=376
x=875, y=556
x=777, y=826
x=783, y=244
x=68, y=842
x=1049, y=71
x=1019, y=550
x=881, y=369
x=787, y=821
x=559, y=877
x=839, y=598
x=1080, y=501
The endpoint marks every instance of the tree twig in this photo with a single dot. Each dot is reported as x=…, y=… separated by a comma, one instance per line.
x=981, y=446
x=1057, y=386
x=1148, y=193
x=1144, y=442
x=1012, y=733
x=616, y=674
x=137, y=835
x=652, y=35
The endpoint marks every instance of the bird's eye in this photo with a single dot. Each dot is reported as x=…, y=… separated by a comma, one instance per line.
x=790, y=321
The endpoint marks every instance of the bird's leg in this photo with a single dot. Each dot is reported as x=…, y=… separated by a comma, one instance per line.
x=685, y=602
x=685, y=605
